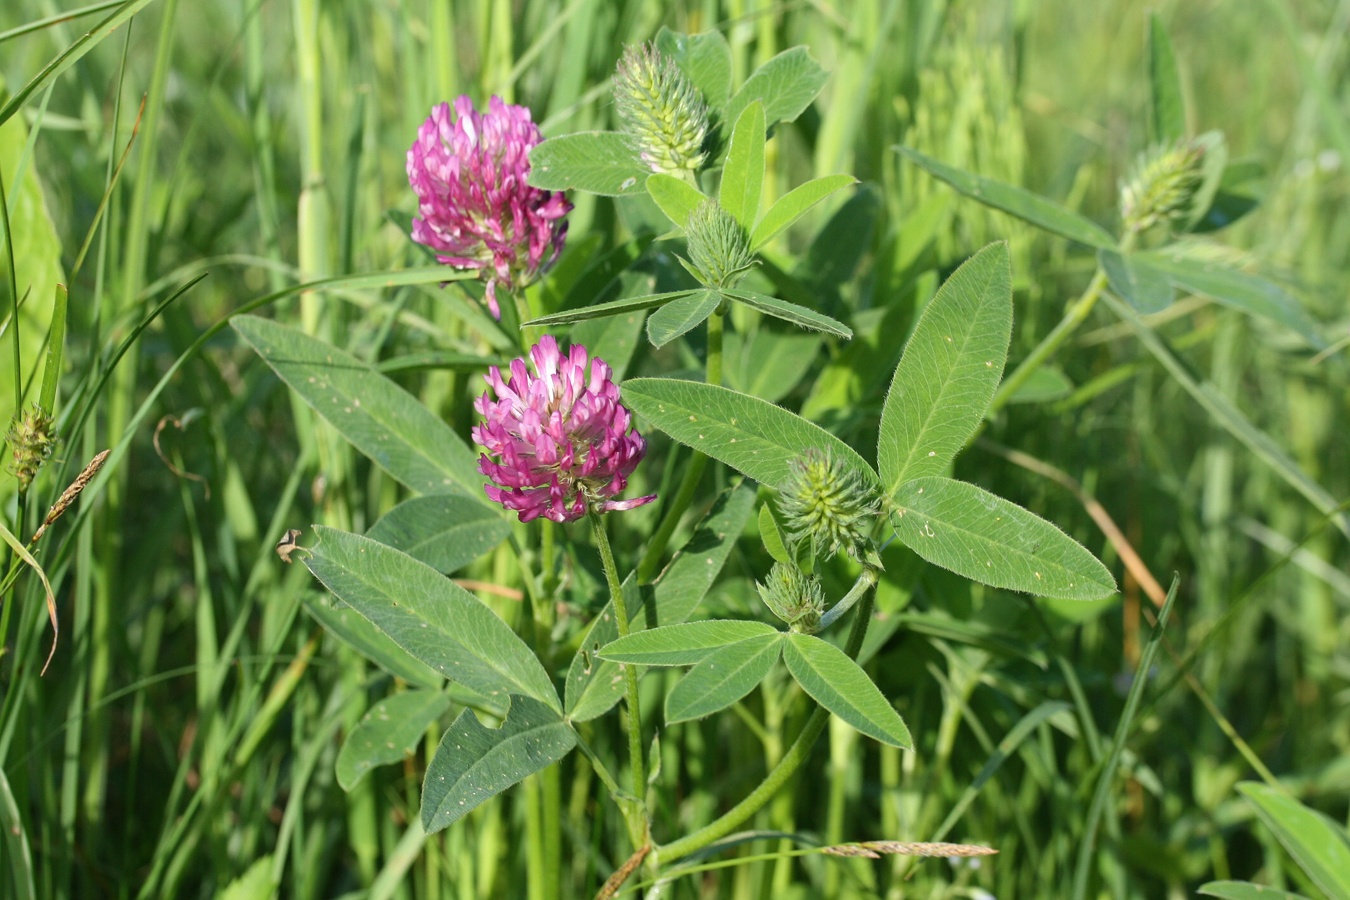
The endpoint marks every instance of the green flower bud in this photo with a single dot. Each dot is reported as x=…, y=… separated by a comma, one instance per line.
x=662, y=112
x=794, y=597
x=31, y=437
x=719, y=251
x=829, y=505
x=1161, y=185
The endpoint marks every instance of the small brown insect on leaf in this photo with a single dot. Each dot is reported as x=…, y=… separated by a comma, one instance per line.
x=287, y=545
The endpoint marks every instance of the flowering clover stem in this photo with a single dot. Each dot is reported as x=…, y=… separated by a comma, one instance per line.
x=651, y=559
x=634, y=812
x=865, y=581
x=781, y=773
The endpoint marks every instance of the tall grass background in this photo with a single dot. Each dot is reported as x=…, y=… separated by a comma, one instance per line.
x=183, y=741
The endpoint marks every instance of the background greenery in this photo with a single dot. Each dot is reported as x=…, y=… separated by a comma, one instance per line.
x=183, y=742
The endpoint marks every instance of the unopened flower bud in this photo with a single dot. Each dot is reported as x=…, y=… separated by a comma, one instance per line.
x=1161, y=185
x=662, y=112
x=793, y=596
x=31, y=437
x=828, y=504
x=719, y=251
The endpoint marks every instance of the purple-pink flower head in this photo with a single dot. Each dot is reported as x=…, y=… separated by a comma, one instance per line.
x=469, y=170
x=558, y=440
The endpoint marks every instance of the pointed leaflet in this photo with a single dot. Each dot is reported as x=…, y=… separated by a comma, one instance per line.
x=684, y=644
x=704, y=58
x=354, y=630
x=950, y=369
x=676, y=197
x=748, y=434
x=785, y=84
x=841, y=686
x=790, y=312
x=1025, y=205
x=601, y=162
x=389, y=731
x=378, y=417
x=743, y=173
x=447, y=532
x=428, y=615
x=1168, y=108
x=613, y=308
x=680, y=316
x=1318, y=844
x=724, y=676
x=987, y=539
x=794, y=204
x=474, y=763
x=593, y=684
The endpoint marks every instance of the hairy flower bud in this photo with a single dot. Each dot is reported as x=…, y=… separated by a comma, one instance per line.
x=661, y=111
x=1161, y=185
x=793, y=596
x=719, y=251
x=31, y=437
x=829, y=505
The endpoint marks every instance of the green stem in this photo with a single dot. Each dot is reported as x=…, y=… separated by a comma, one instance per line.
x=633, y=811
x=860, y=587
x=684, y=495
x=778, y=777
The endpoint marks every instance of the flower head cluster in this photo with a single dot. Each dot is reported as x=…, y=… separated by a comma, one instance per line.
x=1162, y=185
x=32, y=436
x=793, y=596
x=719, y=251
x=829, y=505
x=662, y=112
x=558, y=441
x=476, y=210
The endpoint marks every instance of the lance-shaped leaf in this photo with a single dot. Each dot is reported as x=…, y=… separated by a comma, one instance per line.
x=1317, y=843
x=752, y=436
x=1164, y=82
x=676, y=197
x=974, y=533
x=595, y=685
x=680, y=316
x=704, y=58
x=743, y=173
x=724, y=676
x=429, y=616
x=613, y=308
x=357, y=632
x=1025, y=205
x=474, y=763
x=786, y=85
x=790, y=312
x=601, y=162
x=841, y=686
x=378, y=417
x=389, y=731
x=1141, y=286
x=793, y=205
x=684, y=644
x=951, y=367
x=446, y=532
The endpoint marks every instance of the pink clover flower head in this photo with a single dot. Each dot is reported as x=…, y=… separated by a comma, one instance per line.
x=558, y=440
x=469, y=171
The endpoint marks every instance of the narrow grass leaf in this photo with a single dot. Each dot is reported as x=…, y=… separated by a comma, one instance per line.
x=950, y=369
x=1318, y=844
x=17, y=853
x=1246, y=293
x=595, y=685
x=1142, y=286
x=841, y=686
x=704, y=58
x=474, y=763
x=1015, y=201
x=743, y=173
x=613, y=308
x=676, y=197
x=388, y=732
x=786, y=85
x=378, y=417
x=1164, y=82
x=793, y=205
x=791, y=312
x=429, y=616
x=680, y=316
x=1245, y=890
x=447, y=532
x=684, y=644
x=724, y=676
x=974, y=533
x=752, y=436
x=601, y=162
